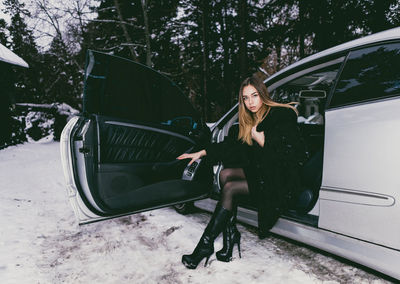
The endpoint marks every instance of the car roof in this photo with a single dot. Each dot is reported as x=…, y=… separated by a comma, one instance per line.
x=377, y=37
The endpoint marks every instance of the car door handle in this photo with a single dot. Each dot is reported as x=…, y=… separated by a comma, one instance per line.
x=84, y=150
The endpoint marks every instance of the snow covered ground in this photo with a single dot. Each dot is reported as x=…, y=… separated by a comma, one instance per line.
x=40, y=241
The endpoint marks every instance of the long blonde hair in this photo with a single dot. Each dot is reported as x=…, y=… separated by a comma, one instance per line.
x=246, y=118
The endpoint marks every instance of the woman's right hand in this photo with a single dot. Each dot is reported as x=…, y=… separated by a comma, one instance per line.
x=192, y=156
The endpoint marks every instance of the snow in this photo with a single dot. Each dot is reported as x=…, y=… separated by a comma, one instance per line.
x=40, y=241
x=43, y=122
x=8, y=56
x=60, y=108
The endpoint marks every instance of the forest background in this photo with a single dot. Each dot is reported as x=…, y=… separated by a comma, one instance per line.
x=206, y=47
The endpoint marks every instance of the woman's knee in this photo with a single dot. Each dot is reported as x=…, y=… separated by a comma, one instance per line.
x=223, y=176
x=233, y=188
x=229, y=174
x=227, y=189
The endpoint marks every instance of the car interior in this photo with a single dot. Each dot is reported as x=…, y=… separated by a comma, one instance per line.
x=135, y=165
x=134, y=136
x=133, y=156
x=311, y=173
x=310, y=92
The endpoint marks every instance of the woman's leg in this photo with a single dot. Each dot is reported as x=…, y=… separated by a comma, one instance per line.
x=205, y=246
x=231, y=191
x=231, y=174
x=234, y=184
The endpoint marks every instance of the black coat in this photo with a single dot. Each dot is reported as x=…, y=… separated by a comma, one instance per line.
x=272, y=171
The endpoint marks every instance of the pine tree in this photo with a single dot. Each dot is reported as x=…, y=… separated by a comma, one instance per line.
x=3, y=32
x=22, y=43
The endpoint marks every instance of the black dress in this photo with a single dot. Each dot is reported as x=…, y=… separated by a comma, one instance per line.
x=273, y=171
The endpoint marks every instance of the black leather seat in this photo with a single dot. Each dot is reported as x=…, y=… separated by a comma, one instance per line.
x=311, y=178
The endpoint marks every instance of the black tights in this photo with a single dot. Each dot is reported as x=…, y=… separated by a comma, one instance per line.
x=233, y=183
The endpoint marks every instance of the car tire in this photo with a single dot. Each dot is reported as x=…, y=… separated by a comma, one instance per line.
x=184, y=208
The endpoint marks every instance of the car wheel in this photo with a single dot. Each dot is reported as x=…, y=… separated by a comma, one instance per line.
x=184, y=208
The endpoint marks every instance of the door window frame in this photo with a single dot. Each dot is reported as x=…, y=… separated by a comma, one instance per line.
x=329, y=107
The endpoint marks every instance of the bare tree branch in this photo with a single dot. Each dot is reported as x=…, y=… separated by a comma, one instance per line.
x=125, y=30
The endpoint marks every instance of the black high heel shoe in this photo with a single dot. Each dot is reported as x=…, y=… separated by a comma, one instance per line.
x=231, y=236
x=205, y=247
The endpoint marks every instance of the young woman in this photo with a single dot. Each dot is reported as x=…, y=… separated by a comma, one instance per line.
x=272, y=152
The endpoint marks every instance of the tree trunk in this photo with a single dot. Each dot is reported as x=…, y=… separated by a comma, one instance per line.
x=204, y=24
x=278, y=57
x=379, y=21
x=125, y=30
x=301, y=28
x=147, y=33
x=227, y=74
x=243, y=60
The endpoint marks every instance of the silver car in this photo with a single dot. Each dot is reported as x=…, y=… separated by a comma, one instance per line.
x=117, y=162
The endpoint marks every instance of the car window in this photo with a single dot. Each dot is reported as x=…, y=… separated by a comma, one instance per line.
x=310, y=108
x=120, y=88
x=369, y=74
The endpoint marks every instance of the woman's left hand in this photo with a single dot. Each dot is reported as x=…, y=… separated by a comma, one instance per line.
x=258, y=136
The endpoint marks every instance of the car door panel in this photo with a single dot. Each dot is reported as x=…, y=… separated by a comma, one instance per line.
x=356, y=199
x=133, y=166
x=360, y=186
x=122, y=150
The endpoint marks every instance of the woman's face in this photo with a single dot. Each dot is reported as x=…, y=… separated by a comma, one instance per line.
x=251, y=99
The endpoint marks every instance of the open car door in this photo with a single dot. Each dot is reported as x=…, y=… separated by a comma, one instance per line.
x=119, y=156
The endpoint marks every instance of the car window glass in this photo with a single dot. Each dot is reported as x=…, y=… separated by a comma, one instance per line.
x=121, y=88
x=310, y=108
x=369, y=73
